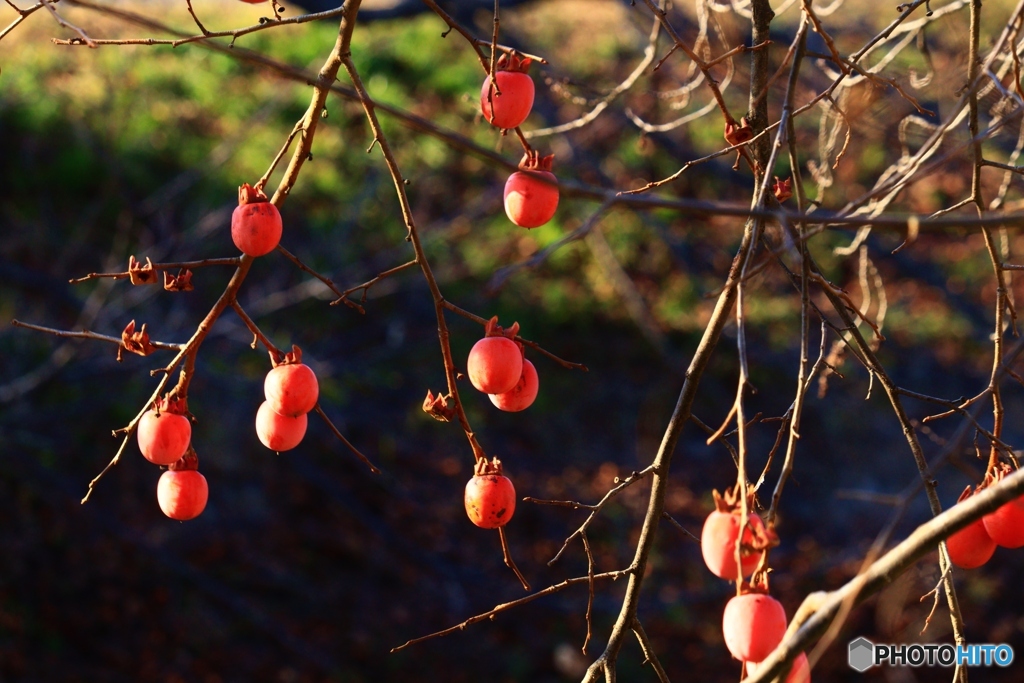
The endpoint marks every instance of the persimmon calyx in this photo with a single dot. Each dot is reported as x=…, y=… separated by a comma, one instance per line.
x=493, y=329
x=995, y=475
x=189, y=461
x=437, y=407
x=293, y=357
x=968, y=492
x=485, y=467
x=782, y=189
x=761, y=537
x=141, y=274
x=738, y=133
x=171, y=404
x=533, y=161
x=182, y=282
x=758, y=584
x=247, y=194
x=135, y=342
x=513, y=62
x=730, y=500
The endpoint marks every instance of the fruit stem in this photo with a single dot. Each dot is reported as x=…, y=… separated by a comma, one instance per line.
x=275, y=353
x=509, y=562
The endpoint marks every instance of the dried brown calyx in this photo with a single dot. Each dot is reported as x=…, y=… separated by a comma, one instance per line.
x=247, y=194
x=533, y=161
x=738, y=133
x=437, y=407
x=293, y=357
x=139, y=273
x=189, y=461
x=135, y=342
x=762, y=537
x=171, y=403
x=782, y=189
x=758, y=583
x=182, y=282
x=995, y=475
x=485, y=467
x=514, y=61
x=493, y=329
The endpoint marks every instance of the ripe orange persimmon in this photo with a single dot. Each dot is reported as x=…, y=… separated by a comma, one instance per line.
x=495, y=365
x=490, y=497
x=513, y=98
x=970, y=547
x=799, y=673
x=164, y=432
x=256, y=223
x=753, y=625
x=291, y=388
x=279, y=432
x=182, y=491
x=718, y=543
x=523, y=394
x=530, y=202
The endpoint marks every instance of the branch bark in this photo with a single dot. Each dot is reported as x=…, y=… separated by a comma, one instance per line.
x=819, y=609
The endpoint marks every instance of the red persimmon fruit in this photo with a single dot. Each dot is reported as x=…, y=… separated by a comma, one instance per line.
x=530, y=202
x=523, y=394
x=970, y=547
x=164, y=432
x=1005, y=526
x=718, y=543
x=799, y=673
x=291, y=387
x=513, y=98
x=279, y=432
x=490, y=497
x=753, y=625
x=182, y=491
x=495, y=363
x=255, y=223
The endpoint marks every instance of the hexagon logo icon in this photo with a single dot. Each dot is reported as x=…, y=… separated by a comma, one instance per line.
x=861, y=654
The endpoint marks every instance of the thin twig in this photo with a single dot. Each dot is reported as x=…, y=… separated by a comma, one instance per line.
x=82, y=36
x=262, y=182
x=605, y=101
x=306, y=269
x=633, y=478
x=505, y=606
x=257, y=333
x=590, y=590
x=648, y=650
x=821, y=608
x=526, y=342
x=477, y=43
x=86, y=334
x=672, y=520
x=503, y=274
x=412, y=234
x=341, y=437
x=206, y=35
x=368, y=284
x=190, y=265
x=509, y=562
